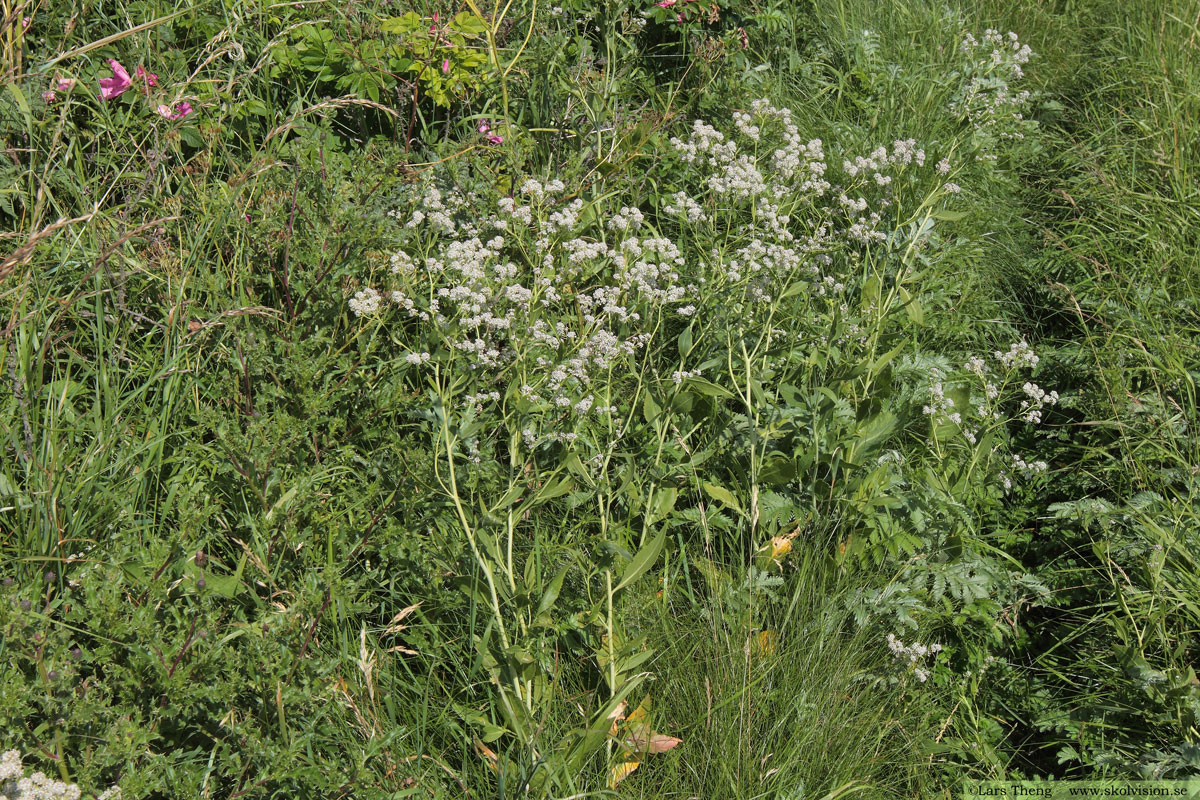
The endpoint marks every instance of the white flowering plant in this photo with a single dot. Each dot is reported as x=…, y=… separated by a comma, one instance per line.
x=989, y=100
x=750, y=311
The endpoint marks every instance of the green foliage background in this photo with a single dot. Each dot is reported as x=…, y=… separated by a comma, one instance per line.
x=230, y=564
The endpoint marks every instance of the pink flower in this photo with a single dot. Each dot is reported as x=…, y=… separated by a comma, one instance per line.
x=493, y=139
x=483, y=126
x=665, y=3
x=117, y=84
x=150, y=78
x=61, y=84
x=445, y=65
x=181, y=111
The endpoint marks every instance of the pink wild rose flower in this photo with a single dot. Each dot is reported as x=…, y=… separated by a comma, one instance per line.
x=117, y=84
x=181, y=111
x=150, y=78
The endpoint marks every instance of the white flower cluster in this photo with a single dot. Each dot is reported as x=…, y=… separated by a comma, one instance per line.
x=939, y=403
x=705, y=140
x=740, y=175
x=683, y=205
x=879, y=168
x=943, y=410
x=913, y=655
x=434, y=211
x=1019, y=354
x=979, y=406
x=679, y=376
x=744, y=123
x=481, y=398
x=1007, y=52
x=401, y=262
x=543, y=303
x=1036, y=399
x=627, y=219
x=416, y=359
x=904, y=152
x=15, y=786
x=537, y=292
x=987, y=100
x=367, y=301
x=1029, y=467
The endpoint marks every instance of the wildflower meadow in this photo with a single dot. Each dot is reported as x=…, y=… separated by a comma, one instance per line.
x=597, y=398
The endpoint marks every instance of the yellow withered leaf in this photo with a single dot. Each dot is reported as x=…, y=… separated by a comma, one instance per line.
x=639, y=738
x=780, y=546
x=621, y=771
x=765, y=642
x=616, y=716
x=639, y=714
x=771, y=553
x=489, y=755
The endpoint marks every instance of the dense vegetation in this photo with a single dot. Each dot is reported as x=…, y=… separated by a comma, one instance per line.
x=769, y=399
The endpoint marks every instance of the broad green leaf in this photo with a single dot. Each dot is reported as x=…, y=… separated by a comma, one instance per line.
x=723, y=495
x=650, y=409
x=685, y=342
x=709, y=388
x=551, y=593
x=662, y=505
x=643, y=560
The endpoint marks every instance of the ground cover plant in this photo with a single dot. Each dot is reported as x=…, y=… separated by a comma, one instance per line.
x=678, y=399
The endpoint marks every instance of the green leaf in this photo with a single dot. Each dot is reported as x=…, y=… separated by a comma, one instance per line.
x=662, y=505
x=407, y=23
x=576, y=468
x=650, y=408
x=551, y=594
x=685, y=342
x=912, y=306
x=724, y=496
x=709, y=388
x=871, y=433
x=469, y=24
x=643, y=561
x=777, y=470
